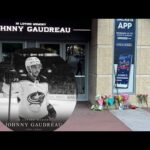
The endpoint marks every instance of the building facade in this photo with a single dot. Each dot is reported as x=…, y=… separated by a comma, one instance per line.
x=89, y=48
x=101, y=56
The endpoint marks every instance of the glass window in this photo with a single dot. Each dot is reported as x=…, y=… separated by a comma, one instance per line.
x=75, y=57
x=52, y=48
x=8, y=49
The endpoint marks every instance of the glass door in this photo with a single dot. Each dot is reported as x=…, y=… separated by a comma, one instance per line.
x=76, y=57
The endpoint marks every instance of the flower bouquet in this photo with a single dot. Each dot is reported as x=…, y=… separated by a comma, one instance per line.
x=142, y=98
x=99, y=103
x=121, y=100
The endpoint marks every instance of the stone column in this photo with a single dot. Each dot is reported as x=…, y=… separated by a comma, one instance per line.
x=101, y=58
x=93, y=61
x=143, y=57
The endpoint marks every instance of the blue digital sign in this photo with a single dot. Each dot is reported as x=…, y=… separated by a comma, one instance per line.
x=124, y=51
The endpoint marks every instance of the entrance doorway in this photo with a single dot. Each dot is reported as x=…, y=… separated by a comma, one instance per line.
x=75, y=54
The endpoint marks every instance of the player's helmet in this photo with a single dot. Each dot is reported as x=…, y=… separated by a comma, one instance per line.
x=32, y=61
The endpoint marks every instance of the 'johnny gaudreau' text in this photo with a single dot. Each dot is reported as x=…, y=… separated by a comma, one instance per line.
x=32, y=124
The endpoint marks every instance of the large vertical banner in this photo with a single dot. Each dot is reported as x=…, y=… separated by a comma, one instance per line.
x=124, y=51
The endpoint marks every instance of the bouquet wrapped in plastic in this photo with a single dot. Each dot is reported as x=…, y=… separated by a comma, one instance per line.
x=122, y=100
x=108, y=101
x=99, y=103
x=142, y=98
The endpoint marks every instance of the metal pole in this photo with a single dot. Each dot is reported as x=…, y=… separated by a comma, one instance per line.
x=10, y=79
x=9, y=106
x=115, y=73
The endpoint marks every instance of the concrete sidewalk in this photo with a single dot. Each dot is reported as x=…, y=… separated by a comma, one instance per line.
x=136, y=119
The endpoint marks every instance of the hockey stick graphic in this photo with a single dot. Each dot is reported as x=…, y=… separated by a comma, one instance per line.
x=10, y=86
x=9, y=106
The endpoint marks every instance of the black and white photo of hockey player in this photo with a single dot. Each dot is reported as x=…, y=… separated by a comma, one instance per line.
x=37, y=91
x=32, y=90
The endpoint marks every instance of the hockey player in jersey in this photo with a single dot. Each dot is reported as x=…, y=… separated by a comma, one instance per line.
x=32, y=92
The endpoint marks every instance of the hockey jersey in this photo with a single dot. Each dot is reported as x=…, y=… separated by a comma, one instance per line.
x=32, y=96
